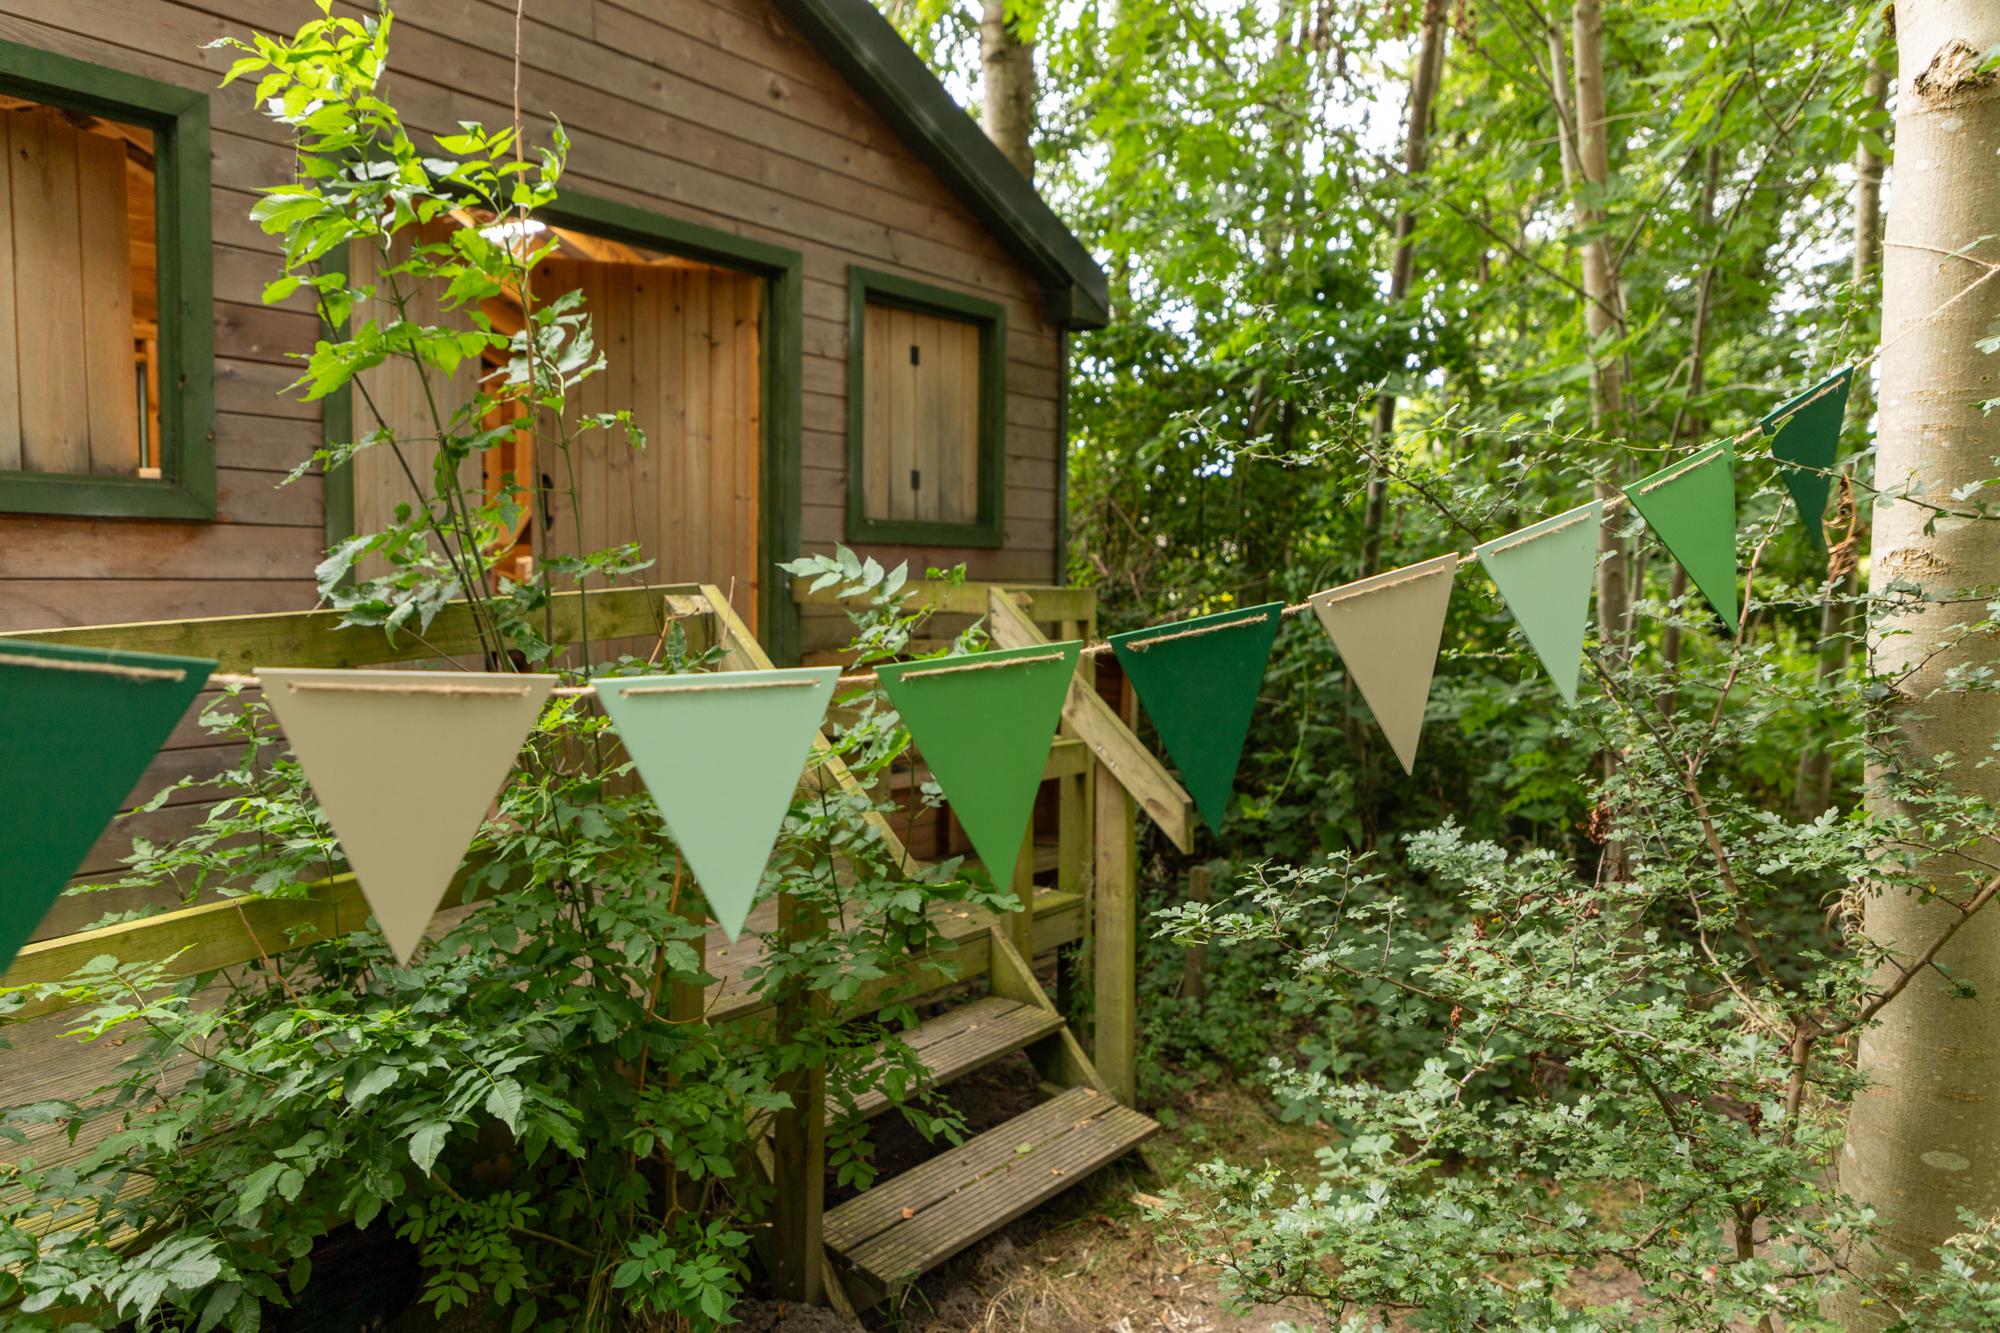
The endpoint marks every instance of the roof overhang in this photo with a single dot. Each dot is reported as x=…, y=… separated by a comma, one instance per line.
x=869, y=53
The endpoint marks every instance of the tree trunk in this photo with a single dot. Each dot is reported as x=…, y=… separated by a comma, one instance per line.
x=1814, y=790
x=1007, y=73
x=1424, y=81
x=1603, y=308
x=1922, y=1142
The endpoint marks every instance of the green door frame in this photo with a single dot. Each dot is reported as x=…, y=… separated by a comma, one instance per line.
x=782, y=390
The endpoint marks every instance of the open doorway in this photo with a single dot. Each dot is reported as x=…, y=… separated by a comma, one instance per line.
x=682, y=343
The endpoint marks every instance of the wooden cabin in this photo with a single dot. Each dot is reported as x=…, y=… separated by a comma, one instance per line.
x=836, y=309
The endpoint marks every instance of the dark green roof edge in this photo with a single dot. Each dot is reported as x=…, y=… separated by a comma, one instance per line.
x=873, y=57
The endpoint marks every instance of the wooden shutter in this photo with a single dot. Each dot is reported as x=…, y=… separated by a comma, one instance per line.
x=68, y=393
x=920, y=431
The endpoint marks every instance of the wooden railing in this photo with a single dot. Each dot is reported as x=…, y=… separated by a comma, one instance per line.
x=1105, y=777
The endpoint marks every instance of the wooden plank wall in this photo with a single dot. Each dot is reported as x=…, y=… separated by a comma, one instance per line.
x=713, y=111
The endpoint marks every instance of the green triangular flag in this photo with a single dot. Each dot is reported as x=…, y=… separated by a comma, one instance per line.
x=405, y=764
x=1387, y=629
x=985, y=723
x=1199, y=680
x=1544, y=573
x=1806, y=430
x=77, y=728
x=722, y=755
x=1692, y=506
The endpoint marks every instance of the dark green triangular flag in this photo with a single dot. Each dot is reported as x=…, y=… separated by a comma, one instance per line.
x=1806, y=431
x=77, y=728
x=1199, y=680
x=1691, y=505
x=985, y=723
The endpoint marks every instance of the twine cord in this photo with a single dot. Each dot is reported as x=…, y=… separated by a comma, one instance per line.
x=366, y=687
x=93, y=668
x=737, y=685
x=1142, y=645
x=981, y=666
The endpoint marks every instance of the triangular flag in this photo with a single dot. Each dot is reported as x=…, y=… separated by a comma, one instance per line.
x=405, y=764
x=986, y=723
x=1544, y=573
x=1806, y=430
x=1199, y=680
x=722, y=755
x=77, y=728
x=1387, y=629
x=1692, y=506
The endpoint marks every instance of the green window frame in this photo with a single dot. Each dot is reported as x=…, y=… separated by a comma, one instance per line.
x=178, y=117
x=866, y=287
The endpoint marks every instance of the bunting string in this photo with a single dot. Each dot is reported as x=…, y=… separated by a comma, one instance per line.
x=95, y=668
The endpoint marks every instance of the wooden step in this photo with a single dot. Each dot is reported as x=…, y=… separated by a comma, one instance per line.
x=968, y=1038
x=977, y=1188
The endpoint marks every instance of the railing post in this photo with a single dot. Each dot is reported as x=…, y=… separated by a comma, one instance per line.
x=798, y=1145
x=1116, y=972
x=1021, y=924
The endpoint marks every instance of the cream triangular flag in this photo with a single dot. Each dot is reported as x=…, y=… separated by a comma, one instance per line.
x=405, y=764
x=1387, y=629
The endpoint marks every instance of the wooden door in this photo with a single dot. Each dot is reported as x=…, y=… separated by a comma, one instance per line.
x=681, y=344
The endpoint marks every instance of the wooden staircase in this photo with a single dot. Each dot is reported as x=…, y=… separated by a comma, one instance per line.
x=883, y=1239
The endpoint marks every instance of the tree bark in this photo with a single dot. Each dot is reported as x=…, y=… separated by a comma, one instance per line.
x=1424, y=79
x=1007, y=76
x=1604, y=313
x=1922, y=1142
x=1814, y=789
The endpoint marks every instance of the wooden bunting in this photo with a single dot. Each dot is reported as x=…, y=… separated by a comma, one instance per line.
x=1544, y=572
x=405, y=764
x=78, y=726
x=1387, y=629
x=1691, y=505
x=722, y=755
x=1199, y=680
x=985, y=723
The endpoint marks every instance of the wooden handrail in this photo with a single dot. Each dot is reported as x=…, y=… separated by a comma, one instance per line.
x=1127, y=758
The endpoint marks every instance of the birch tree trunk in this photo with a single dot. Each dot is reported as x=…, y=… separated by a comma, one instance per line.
x=1424, y=80
x=1923, y=1141
x=1007, y=79
x=1814, y=791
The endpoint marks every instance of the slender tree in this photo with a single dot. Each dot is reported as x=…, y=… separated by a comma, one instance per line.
x=1007, y=77
x=1922, y=1142
x=1814, y=792
x=1424, y=77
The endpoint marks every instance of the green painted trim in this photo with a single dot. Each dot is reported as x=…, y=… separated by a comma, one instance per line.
x=1061, y=574
x=179, y=119
x=861, y=44
x=866, y=287
x=779, y=504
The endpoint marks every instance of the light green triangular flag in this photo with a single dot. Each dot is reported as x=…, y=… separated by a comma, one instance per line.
x=1199, y=680
x=985, y=723
x=77, y=728
x=1387, y=629
x=1544, y=573
x=722, y=755
x=1692, y=506
x=405, y=764
x=1806, y=430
